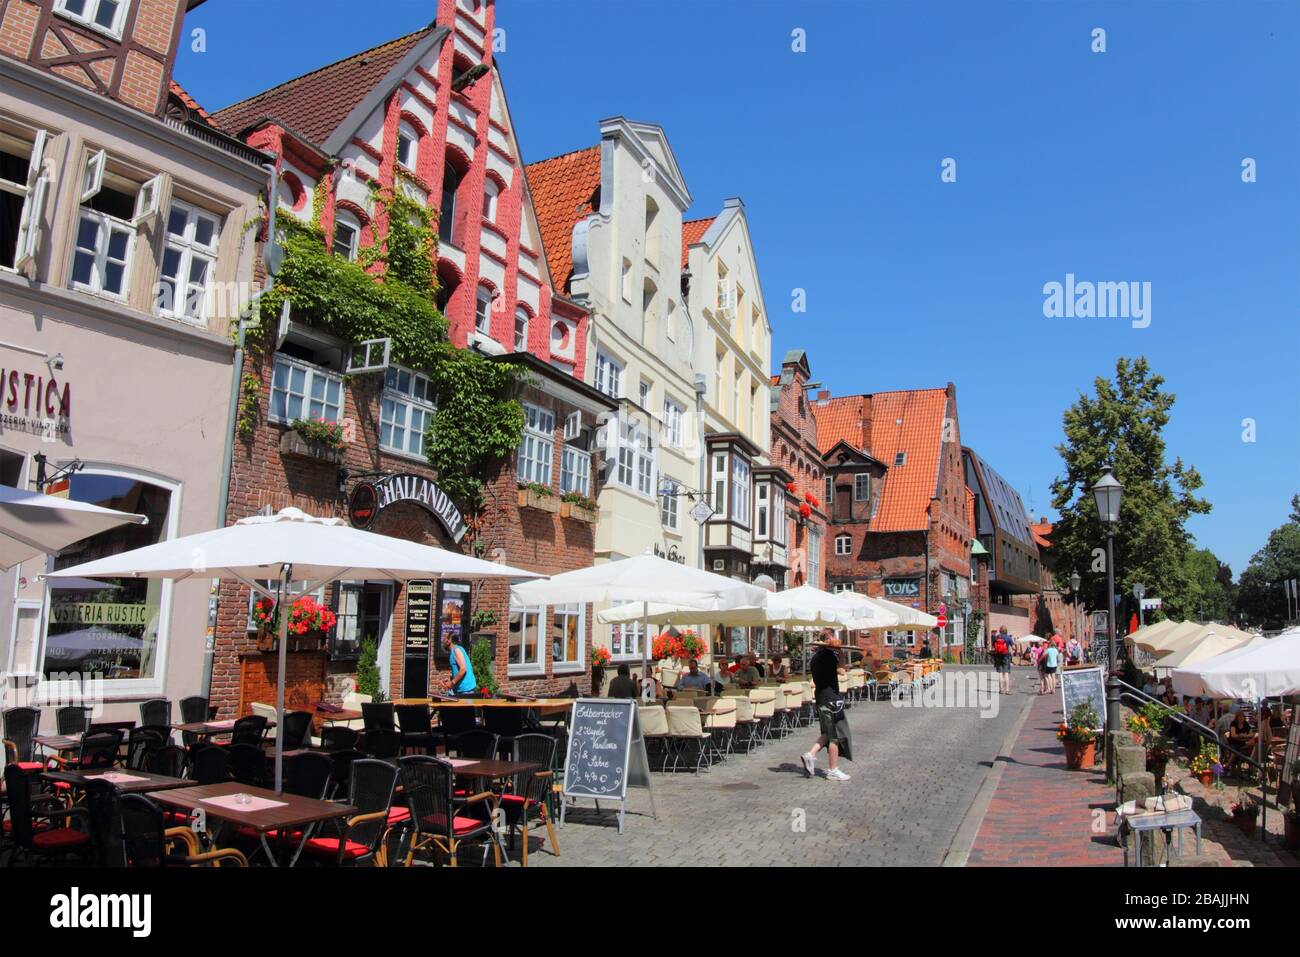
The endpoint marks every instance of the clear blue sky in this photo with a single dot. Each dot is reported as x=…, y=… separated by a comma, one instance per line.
x=1115, y=166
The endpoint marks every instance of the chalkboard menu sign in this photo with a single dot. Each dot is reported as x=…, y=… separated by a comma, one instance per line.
x=606, y=752
x=1084, y=684
x=419, y=613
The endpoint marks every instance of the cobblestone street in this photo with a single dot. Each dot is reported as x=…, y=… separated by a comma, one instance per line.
x=915, y=774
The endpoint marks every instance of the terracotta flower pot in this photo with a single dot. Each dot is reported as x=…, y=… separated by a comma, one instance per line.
x=1291, y=836
x=1246, y=821
x=1205, y=777
x=1079, y=755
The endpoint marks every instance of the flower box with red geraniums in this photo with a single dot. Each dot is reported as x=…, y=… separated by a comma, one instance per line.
x=683, y=646
x=309, y=622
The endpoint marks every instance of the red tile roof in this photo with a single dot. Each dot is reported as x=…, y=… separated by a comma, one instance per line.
x=1042, y=532
x=909, y=421
x=191, y=104
x=315, y=103
x=564, y=190
x=693, y=231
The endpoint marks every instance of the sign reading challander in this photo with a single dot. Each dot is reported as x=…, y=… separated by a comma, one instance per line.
x=370, y=498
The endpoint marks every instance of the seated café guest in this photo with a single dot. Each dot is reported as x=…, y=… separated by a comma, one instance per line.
x=694, y=679
x=623, y=685
x=746, y=675
x=722, y=680
x=776, y=671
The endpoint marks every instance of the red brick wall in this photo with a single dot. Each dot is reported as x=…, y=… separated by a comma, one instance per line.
x=18, y=28
x=794, y=448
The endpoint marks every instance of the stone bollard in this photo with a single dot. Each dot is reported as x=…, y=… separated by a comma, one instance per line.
x=1137, y=786
x=1130, y=758
x=1117, y=740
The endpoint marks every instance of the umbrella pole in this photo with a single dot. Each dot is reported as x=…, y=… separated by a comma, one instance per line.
x=1263, y=770
x=645, y=642
x=285, y=572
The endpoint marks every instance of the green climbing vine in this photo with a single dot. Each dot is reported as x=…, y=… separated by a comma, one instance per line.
x=390, y=292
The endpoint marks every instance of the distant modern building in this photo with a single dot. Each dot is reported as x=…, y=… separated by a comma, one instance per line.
x=898, y=507
x=1001, y=526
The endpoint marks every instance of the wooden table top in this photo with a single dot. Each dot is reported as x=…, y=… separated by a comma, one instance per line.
x=58, y=742
x=149, y=781
x=492, y=768
x=294, y=810
x=544, y=705
x=331, y=716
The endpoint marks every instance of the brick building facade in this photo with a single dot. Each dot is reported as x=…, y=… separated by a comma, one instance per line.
x=425, y=114
x=898, y=508
x=800, y=475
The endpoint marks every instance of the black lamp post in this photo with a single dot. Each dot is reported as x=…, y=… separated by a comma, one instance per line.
x=1075, y=582
x=1108, y=493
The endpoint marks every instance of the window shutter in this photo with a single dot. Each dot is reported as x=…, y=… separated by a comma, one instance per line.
x=147, y=200
x=29, y=225
x=93, y=179
x=372, y=355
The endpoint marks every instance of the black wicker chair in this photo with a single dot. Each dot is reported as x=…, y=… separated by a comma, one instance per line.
x=336, y=737
x=38, y=833
x=382, y=743
x=529, y=792
x=98, y=750
x=249, y=730
x=142, y=744
x=362, y=840
x=456, y=720
x=193, y=710
x=378, y=714
x=308, y=774
x=478, y=744
x=20, y=726
x=156, y=711
x=168, y=760
x=297, y=730
x=248, y=764
x=434, y=820
x=148, y=842
x=208, y=764
x=343, y=761
x=72, y=719
x=416, y=725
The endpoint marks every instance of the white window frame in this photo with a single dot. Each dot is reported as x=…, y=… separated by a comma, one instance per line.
x=416, y=400
x=762, y=511
x=87, y=17
x=483, y=300
x=572, y=426
x=625, y=641
x=575, y=471
x=635, y=467
x=405, y=131
x=673, y=416
x=536, y=446
x=538, y=615
x=362, y=356
x=843, y=544
x=349, y=221
x=670, y=505
x=189, y=249
x=521, y=329
x=859, y=479
x=312, y=372
x=742, y=484
x=719, y=483
x=609, y=375
x=58, y=691
x=105, y=226
x=491, y=199
x=814, y=556
x=558, y=613
x=33, y=190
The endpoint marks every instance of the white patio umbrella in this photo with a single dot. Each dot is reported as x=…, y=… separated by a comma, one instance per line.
x=1208, y=645
x=1030, y=640
x=646, y=579
x=290, y=546
x=904, y=617
x=33, y=524
x=1143, y=637
x=1173, y=639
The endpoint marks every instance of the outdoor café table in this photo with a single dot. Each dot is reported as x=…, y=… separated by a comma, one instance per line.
x=540, y=705
x=270, y=811
x=1172, y=821
x=58, y=742
x=205, y=729
x=330, y=717
x=126, y=782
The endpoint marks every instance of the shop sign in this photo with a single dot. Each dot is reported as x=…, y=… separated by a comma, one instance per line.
x=368, y=499
x=419, y=613
x=34, y=402
x=671, y=553
x=902, y=587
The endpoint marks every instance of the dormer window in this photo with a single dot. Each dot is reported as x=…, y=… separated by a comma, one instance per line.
x=900, y=458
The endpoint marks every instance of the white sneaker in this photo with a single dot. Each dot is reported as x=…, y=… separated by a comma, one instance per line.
x=835, y=774
x=809, y=764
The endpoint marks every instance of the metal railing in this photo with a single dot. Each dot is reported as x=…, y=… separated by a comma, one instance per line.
x=1141, y=697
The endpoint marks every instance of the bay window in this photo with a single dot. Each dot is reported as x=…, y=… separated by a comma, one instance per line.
x=300, y=390
x=720, y=484
x=536, y=446
x=740, y=490
x=762, y=510
x=406, y=410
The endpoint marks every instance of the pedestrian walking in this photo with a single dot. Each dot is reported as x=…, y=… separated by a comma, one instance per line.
x=1051, y=663
x=1001, y=652
x=834, y=725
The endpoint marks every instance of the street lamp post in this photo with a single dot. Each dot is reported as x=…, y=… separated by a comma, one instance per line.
x=1107, y=493
x=1075, y=582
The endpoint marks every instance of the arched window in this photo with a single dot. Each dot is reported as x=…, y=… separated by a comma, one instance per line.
x=448, y=281
x=652, y=230
x=521, y=329
x=451, y=180
x=483, y=311
x=490, y=193
x=347, y=234
x=408, y=145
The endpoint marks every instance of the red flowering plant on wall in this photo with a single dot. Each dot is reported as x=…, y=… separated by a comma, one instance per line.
x=599, y=657
x=320, y=430
x=790, y=487
x=811, y=499
x=805, y=510
x=307, y=615
x=264, y=615
x=684, y=646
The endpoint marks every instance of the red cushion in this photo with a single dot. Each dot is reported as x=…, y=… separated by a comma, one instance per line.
x=516, y=799
x=461, y=825
x=58, y=838
x=31, y=766
x=329, y=847
x=397, y=815
x=176, y=819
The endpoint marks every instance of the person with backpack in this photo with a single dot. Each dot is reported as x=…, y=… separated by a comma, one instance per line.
x=1001, y=652
x=1051, y=663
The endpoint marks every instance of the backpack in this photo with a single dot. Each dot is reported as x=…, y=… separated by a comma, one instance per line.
x=999, y=647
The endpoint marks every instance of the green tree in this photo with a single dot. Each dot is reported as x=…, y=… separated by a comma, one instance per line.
x=1261, y=599
x=1210, y=595
x=1122, y=426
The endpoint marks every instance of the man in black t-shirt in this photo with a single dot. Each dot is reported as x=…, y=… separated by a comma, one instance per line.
x=622, y=686
x=834, y=737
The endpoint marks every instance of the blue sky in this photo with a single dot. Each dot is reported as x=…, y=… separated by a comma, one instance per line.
x=1115, y=166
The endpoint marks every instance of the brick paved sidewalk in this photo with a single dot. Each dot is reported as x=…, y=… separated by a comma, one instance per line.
x=1041, y=814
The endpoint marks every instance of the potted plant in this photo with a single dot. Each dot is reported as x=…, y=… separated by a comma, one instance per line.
x=481, y=660
x=600, y=659
x=1203, y=765
x=1245, y=813
x=309, y=620
x=1079, y=737
x=368, y=677
x=267, y=621
x=538, y=497
x=577, y=506
x=1291, y=834
x=316, y=439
